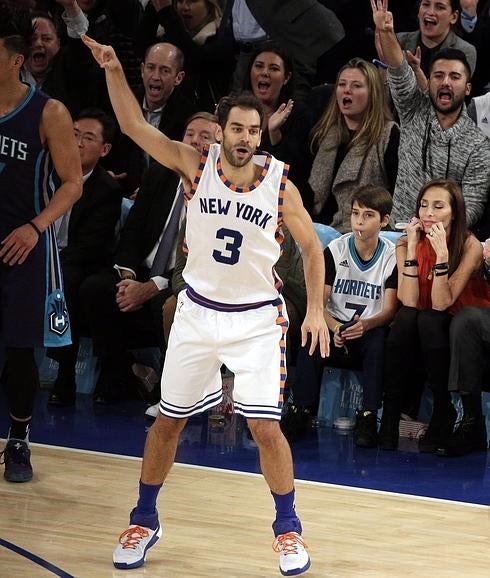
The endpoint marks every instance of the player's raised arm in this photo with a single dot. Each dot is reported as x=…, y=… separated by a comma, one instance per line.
x=174, y=155
x=301, y=228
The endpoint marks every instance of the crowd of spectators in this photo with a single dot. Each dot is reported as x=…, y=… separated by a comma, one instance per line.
x=355, y=93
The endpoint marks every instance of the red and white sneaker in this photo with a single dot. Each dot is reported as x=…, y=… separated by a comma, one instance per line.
x=293, y=557
x=133, y=545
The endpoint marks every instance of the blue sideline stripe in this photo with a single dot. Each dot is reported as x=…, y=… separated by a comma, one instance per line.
x=33, y=558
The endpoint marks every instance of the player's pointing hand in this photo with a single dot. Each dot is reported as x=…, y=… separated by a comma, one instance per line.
x=103, y=54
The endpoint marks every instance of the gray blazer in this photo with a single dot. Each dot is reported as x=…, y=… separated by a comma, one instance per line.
x=410, y=41
x=306, y=27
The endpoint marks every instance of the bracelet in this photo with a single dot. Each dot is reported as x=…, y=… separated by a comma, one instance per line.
x=411, y=263
x=440, y=266
x=35, y=227
x=408, y=275
x=337, y=327
x=441, y=273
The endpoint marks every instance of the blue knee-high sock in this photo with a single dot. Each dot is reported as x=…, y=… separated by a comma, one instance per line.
x=286, y=518
x=145, y=513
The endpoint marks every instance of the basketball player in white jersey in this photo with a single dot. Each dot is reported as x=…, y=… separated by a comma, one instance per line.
x=232, y=311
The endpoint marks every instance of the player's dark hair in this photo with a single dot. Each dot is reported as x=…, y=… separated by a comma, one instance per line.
x=244, y=100
x=373, y=197
x=16, y=29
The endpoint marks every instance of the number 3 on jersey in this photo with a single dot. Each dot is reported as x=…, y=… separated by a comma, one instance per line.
x=231, y=252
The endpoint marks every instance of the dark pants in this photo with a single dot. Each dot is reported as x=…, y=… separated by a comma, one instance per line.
x=417, y=340
x=366, y=353
x=114, y=332
x=470, y=346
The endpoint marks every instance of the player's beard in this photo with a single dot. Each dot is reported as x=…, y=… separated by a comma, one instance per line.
x=231, y=157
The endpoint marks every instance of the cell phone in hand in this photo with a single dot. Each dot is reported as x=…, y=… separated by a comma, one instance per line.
x=345, y=326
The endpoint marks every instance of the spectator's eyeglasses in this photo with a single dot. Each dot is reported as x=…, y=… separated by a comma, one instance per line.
x=86, y=137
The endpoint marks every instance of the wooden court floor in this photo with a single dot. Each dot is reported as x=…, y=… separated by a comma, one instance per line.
x=217, y=523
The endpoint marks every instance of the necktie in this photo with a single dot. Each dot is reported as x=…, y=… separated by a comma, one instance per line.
x=164, y=251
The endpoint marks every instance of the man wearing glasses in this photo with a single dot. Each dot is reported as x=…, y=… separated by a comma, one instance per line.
x=85, y=236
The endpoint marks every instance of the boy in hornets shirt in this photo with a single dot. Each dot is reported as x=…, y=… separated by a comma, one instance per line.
x=361, y=288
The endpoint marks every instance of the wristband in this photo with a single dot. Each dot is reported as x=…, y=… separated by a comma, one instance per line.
x=411, y=263
x=441, y=273
x=440, y=266
x=379, y=64
x=35, y=227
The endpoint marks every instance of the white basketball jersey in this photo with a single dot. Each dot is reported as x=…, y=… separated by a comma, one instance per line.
x=359, y=287
x=233, y=235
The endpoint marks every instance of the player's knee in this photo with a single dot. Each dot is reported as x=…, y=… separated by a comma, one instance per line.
x=168, y=426
x=264, y=431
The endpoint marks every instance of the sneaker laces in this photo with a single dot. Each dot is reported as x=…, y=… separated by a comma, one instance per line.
x=131, y=538
x=288, y=543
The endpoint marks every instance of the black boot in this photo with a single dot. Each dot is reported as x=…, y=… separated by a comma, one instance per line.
x=366, y=429
x=471, y=433
x=469, y=436
x=440, y=428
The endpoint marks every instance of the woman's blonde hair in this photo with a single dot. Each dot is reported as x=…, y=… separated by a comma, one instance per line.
x=375, y=119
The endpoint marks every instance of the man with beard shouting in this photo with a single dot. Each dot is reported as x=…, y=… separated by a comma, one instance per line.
x=232, y=311
x=437, y=137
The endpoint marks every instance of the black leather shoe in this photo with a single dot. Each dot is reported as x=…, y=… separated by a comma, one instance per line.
x=102, y=399
x=366, y=429
x=469, y=436
x=60, y=400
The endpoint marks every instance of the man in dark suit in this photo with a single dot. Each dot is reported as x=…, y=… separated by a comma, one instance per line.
x=85, y=237
x=306, y=28
x=165, y=105
x=124, y=304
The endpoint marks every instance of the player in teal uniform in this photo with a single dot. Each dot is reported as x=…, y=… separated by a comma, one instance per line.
x=40, y=179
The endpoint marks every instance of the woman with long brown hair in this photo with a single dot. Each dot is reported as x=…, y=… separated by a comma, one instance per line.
x=436, y=261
